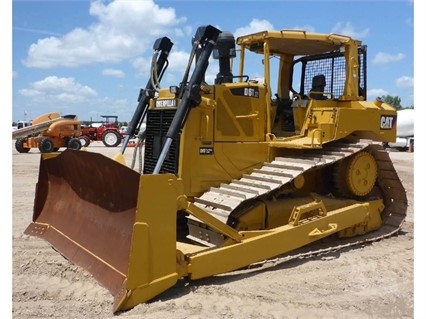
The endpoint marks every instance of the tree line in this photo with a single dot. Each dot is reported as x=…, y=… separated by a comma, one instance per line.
x=395, y=101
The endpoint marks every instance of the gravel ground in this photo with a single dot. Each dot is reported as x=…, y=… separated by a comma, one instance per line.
x=368, y=281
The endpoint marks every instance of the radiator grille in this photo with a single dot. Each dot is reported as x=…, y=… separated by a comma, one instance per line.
x=157, y=125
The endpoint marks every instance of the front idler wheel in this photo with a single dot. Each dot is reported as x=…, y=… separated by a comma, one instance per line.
x=356, y=175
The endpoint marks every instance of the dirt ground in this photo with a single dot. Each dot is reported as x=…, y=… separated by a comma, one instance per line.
x=368, y=281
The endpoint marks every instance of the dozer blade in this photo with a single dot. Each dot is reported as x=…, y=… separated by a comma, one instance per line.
x=85, y=208
x=87, y=212
x=111, y=221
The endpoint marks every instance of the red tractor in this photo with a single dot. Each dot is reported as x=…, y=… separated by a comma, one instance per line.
x=107, y=131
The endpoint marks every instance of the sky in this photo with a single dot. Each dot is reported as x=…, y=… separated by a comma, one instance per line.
x=90, y=58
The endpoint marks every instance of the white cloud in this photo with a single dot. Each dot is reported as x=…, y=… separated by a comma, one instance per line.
x=68, y=98
x=373, y=93
x=384, y=58
x=405, y=82
x=255, y=25
x=178, y=61
x=53, y=84
x=123, y=29
x=56, y=92
x=185, y=31
x=30, y=92
x=349, y=30
x=306, y=27
x=113, y=72
x=143, y=65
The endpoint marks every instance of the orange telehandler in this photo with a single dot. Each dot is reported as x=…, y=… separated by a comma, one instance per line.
x=49, y=132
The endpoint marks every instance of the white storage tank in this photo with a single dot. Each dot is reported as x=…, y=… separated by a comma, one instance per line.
x=405, y=123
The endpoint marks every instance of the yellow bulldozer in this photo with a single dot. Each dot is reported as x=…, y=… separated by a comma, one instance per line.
x=235, y=171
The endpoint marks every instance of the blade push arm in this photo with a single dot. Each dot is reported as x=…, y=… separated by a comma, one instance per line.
x=205, y=37
x=162, y=47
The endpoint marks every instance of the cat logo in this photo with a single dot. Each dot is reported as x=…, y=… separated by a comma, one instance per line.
x=387, y=122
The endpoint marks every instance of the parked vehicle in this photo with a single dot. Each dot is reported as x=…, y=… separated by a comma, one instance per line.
x=20, y=124
x=106, y=131
x=49, y=132
x=123, y=129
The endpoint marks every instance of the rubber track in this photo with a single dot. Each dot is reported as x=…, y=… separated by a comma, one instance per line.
x=222, y=202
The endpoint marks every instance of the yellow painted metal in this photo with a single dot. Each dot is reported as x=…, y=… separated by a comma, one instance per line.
x=230, y=159
x=361, y=173
x=256, y=218
x=310, y=210
x=336, y=120
x=119, y=157
x=49, y=155
x=299, y=181
x=374, y=223
x=152, y=262
x=284, y=211
x=243, y=123
x=238, y=129
x=267, y=72
x=332, y=227
x=157, y=261
x=212, y=222
x=260, y=245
